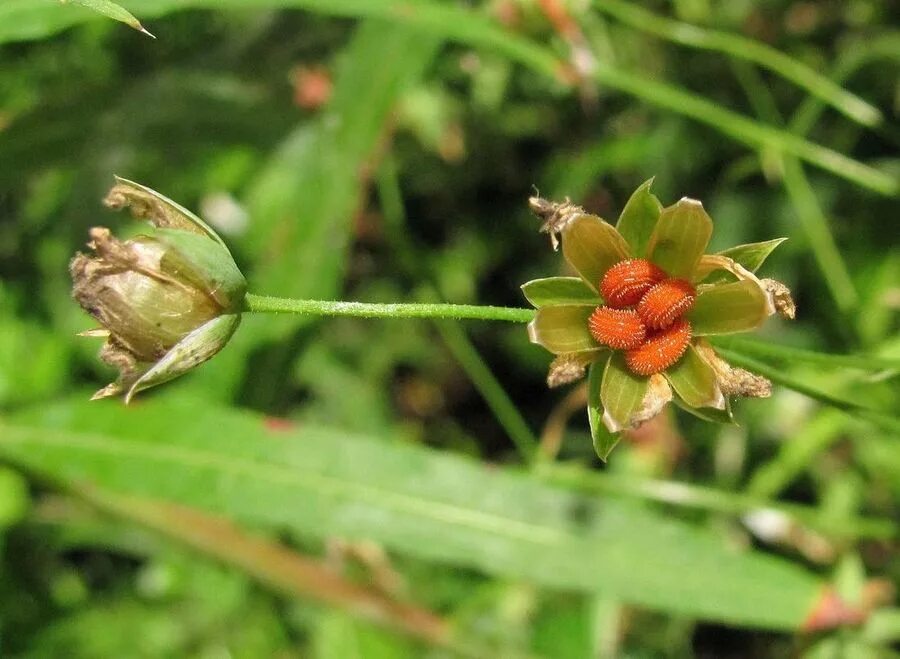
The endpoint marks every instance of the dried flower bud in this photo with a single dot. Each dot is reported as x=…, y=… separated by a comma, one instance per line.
x=166, y=301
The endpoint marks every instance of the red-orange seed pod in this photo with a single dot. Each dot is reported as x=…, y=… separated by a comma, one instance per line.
x=620, y=329
x=625, y=283
x=667, y=301
x=660, y=350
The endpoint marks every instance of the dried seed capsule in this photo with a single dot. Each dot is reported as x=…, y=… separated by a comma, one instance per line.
x=620, y=329
x=625, y=283
x=665, y=302
x=660, y=350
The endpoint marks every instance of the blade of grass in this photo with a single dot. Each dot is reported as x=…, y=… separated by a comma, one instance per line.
x=797, y=453
x=113, y=11
x=423, y=503
x=815, y=225
x=712, y=499
x=882, y=419
x=885, y=46
x=493, y=393
x=743, y=48
x=831, y=264
x=775, y=351
x=465, y=26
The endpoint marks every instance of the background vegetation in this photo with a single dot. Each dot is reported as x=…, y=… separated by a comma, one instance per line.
x=381, y=489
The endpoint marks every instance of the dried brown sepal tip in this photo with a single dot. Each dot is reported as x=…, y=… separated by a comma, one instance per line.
x=567, y=368
x=556, y=215
x=781, y=298
x=659, y=394
x=735, y=381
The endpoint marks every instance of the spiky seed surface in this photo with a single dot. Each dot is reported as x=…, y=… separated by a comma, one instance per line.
x=620, y=329
x=625, y=283
x=661, y=350
x=665, y=302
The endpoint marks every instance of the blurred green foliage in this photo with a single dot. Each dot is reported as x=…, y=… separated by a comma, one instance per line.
x=321, y=483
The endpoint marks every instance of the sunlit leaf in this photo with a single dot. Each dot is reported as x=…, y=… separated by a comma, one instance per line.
x=728, y=308
x=592, y=247
x=752, y=255
x=559, y=290
x=638, y=219
x=710, y=414
x=695, y=382
x=622, y=393
x=680, y=238
x=562, y=329
x=604, y=441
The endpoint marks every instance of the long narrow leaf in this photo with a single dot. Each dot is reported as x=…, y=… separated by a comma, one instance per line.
x=438, y=507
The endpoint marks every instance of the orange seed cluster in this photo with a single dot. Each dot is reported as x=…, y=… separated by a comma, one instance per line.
x=625, y=283
x=643, y=315
x=620, y=329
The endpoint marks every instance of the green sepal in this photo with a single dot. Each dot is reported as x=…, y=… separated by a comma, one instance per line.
x=695, y=381
x=711, y=414
x=192, y=350
x=206, y=264
x=159, y=210
x=750, y=256
x=604, y=441
x=592, y=247
x=559, y=290
x=680, y=238
x=621, y=393
x=562, y=329
x=729, y=308
x=638, y=219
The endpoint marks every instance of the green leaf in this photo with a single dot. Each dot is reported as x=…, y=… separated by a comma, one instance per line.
x=604, y=441
x=562, y=329
x=621, y=392
x=680, y=238
x=694, y=380
x=728, y=308
x=448, y=509
x=638, y=219
x=592, y=247
x=752, y=255
x=559, y=290
x=113, y=11
x=194, y=349
x=709, y=414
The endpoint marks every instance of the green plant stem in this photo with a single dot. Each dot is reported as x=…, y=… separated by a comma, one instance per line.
x=267, y=304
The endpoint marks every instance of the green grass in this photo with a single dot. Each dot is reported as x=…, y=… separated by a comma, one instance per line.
x=404, y=484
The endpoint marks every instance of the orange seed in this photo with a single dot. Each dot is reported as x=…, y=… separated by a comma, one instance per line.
x=625, y=283
x=660, y=350
x=620, y=329
x=665, y=302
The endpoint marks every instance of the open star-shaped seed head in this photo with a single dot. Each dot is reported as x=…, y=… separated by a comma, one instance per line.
x=636, y=315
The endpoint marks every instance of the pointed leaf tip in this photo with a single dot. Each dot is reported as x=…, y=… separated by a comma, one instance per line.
x=639, y=218
x=680, y=238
